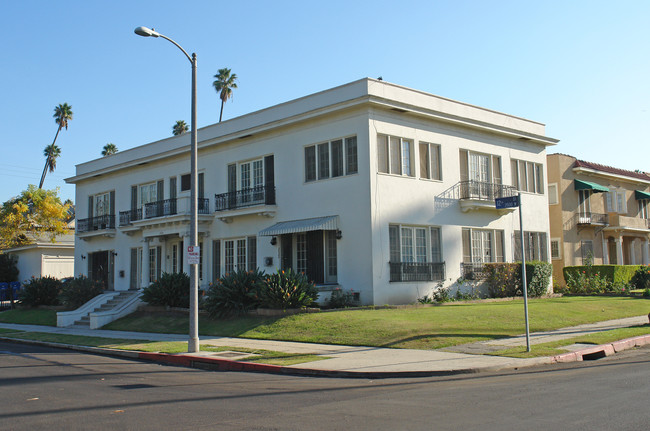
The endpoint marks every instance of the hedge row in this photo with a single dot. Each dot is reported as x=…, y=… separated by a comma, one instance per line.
x=615, y=274
x=504, y=279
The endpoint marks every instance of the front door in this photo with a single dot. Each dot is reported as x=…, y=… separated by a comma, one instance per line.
x=100, y=268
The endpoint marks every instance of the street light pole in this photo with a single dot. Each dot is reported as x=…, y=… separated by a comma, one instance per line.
x=193, y=342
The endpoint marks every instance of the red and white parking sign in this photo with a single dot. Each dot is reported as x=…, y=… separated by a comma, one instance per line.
x=193, y=254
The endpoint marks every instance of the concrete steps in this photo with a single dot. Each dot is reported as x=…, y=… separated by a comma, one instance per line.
x=107, y=306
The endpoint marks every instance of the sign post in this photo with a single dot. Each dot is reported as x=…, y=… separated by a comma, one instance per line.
x=512, y=202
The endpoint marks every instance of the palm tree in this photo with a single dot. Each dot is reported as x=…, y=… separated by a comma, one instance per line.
x=62, y=115
x=180, y=127
x=224, y=85
x=109, y=149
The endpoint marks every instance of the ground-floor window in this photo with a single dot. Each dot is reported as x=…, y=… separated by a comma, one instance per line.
x=534, y=244
x=155, y=265
x=587, y=252
x=313, y=253
x=230, y=255
x=480, y=246
x=415, y=253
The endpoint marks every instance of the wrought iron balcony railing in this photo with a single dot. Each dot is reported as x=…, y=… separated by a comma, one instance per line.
x=484, y=191
x=96, y=223
x=164, y=208
x=590, y=218
x=262, y=195
x=417, y=271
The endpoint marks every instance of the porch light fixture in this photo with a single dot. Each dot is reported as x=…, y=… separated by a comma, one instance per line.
x=83, y=257
x=274, y=241
x=193, y=342
x=339, y=235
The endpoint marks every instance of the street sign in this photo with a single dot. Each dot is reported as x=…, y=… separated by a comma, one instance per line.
x=509, y=202
x=193, y=254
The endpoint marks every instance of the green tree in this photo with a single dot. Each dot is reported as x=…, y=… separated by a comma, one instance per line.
x=62, y=115
x=224, y=85
x=180, y=127
x=34, y=214
x=109, y=149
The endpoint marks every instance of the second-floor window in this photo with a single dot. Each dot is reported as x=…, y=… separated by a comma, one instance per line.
x=527, y=176
x=148, y=193
x=331, y=159
x=480, y=167
x=430, y=166
x=616, y=201
x=643, y=208
x=395, y=155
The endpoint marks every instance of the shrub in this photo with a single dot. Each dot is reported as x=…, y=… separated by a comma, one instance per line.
x=641, y=278
x=77, y=291
x=8, y=268
x=287, y=289
x=40, y=291
x=612, y=273
x=341, y=299
x=171, y=290
x=234, y=293
x=538, y=276
x=504, y=279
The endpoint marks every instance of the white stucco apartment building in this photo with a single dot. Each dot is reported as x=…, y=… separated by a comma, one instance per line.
x=369, y=186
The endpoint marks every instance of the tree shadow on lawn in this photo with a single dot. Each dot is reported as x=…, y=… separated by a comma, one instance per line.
x=438, y=339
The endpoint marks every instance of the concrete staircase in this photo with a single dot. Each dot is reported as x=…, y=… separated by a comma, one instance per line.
x=110, y=305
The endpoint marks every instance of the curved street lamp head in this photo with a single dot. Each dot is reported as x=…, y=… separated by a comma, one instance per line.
x=146, y=32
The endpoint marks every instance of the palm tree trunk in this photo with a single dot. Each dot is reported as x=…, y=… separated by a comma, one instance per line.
x=221, y=113
x=47, y=160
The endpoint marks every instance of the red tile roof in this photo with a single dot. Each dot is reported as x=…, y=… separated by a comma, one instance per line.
x=610, y=170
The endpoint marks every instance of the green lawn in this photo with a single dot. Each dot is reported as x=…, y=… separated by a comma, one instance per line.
x=29, y=317
x=417, y=328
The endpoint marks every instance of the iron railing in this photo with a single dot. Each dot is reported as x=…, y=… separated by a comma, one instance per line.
x=96, y=223
x=484, y=191
x=164, y=208
x=262, y=195
x=591, y=218
x=472, y=270
x=417, y=271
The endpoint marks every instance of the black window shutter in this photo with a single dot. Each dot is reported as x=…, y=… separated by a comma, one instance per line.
x=315, y=256
x=269, y=180
x=232, y=185
x=134, y=269
x=134, y=198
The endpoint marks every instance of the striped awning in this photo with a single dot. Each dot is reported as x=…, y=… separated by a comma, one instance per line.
x=304, y=225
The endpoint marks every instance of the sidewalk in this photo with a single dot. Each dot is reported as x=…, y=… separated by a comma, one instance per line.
x=358, y=361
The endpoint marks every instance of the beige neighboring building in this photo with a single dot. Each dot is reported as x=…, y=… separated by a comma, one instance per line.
x=597, y=211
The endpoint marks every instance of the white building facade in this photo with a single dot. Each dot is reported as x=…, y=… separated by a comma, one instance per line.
x=370, y=187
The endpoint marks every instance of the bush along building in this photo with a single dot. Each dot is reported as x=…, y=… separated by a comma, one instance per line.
x=598, y=214
x=371, y=187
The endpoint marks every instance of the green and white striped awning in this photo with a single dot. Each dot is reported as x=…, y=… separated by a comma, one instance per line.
x=304, y=225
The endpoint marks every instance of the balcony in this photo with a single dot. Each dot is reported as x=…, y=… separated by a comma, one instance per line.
x=626, y=223
x=478, y=195
x=417, y=271
x=164, y=212
x=256, y=200
x=96, y=226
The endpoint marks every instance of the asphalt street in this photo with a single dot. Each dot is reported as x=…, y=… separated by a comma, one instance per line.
x=59, y=389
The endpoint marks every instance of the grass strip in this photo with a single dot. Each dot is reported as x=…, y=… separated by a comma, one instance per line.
x=173, y=347
x=28, y=316
x=558, y=347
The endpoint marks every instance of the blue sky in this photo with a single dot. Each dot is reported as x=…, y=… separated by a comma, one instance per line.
x=580, y=67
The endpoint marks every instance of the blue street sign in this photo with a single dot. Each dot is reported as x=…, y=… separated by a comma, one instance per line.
x=509, y=202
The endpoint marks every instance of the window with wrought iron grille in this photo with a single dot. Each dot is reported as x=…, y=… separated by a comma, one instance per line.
x=415, y=253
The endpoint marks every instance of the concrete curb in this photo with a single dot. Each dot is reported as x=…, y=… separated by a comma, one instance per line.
x=602, y=350
x=219, y=364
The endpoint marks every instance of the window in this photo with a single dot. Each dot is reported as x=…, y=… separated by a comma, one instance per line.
x=553, y=198
x=616, y=202
x=587, y=252
x=643, y=208
x=584, y=204
x=534, y=244
x=527, y=176
x=479, y=167
x=555, y=249
x=238, y=254
x=148, y=193
x=186, y=182
x=482, y=246
x=331, y=159
x=313, y=253
x=395, y=155
x=430, y=167
x=415, y=253
x=102, y=205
